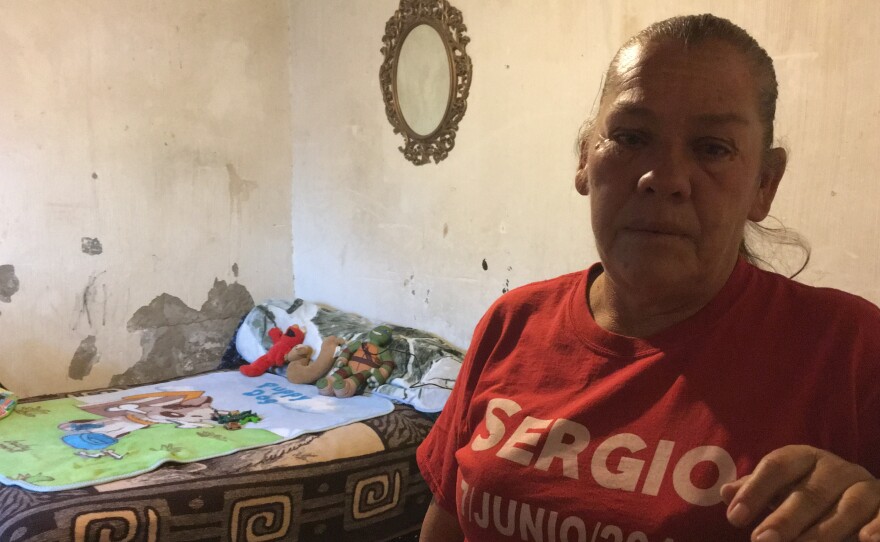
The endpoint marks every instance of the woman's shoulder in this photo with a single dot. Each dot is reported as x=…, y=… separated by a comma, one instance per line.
x=822, y=303
x=540, y=293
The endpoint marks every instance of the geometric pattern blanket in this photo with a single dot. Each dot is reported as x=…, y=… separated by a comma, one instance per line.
x=76, y=442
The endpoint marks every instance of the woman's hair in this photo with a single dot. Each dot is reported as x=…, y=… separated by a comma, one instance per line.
x=693, y=30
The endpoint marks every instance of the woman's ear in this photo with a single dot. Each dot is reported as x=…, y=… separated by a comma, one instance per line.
x=581, y=181
x=772, y=171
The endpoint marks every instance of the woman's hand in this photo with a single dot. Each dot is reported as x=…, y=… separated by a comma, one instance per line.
x=810, y=494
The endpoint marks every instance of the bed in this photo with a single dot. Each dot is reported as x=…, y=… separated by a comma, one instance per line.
x=358, y=481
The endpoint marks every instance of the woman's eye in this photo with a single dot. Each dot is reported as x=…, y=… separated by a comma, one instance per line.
x=715, y=150
x=629, y=139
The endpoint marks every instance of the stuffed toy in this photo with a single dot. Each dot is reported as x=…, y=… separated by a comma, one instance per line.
x=359, y=364
x=7, y=402
x=304, y=371
x=282, y=343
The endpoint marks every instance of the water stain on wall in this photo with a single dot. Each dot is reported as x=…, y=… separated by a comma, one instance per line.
x=92, y=246
x=85, y=357
x=8, y=283
x=239, y=189
x=178, y=340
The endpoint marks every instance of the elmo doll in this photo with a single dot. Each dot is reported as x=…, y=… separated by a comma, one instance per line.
x=282, y=343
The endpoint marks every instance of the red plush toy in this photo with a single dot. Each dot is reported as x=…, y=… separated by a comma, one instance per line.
x=282, y=343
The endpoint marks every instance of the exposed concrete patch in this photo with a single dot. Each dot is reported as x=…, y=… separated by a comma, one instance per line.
x=85, y=357
x=8, y=283
x=92, y=246
x=178, y=340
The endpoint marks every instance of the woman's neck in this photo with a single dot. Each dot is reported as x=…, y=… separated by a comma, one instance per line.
x=633, y=313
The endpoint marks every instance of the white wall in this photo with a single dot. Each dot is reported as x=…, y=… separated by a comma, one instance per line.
x=162, y=129
x=377, y=235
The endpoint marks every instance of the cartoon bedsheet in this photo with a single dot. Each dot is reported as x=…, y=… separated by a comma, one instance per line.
x=75, y=442
x=355, y=482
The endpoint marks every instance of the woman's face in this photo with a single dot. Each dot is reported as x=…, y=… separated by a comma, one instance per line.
x=674, y=166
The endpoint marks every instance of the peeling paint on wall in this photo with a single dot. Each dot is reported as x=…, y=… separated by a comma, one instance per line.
x=8, y=283
x=91, y=246
x=85, y=357
x=178, y=340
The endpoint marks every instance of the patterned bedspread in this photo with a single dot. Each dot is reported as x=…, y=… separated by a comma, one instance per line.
x=358, y=482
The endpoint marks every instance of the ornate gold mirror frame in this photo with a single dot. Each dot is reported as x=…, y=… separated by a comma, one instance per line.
x=420, y=148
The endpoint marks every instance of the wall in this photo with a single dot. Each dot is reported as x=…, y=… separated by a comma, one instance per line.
x=433, y=246
x=145, y=163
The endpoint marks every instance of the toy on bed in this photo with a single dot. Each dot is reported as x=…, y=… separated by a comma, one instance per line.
x=282, y=343
x=7, y=402
x=302, y=370
x=360, y=363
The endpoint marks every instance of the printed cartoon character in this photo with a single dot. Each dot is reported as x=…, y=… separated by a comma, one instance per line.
x=359, y=364
x=93, y=438
x=282, y=343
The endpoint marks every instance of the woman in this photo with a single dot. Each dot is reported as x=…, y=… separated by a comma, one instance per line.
x=673, y=391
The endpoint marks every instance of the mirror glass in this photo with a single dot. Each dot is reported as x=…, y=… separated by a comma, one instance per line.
x=423, y=79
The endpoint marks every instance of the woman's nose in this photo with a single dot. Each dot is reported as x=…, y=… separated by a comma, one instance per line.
x=668, y=175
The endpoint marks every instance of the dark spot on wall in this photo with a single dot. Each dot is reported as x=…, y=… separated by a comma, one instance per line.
x=506, y=286
x=8, y=283
x=87, y=304
x=235, y=270
x=92, y=246
x=445, y=229
x=178, y=340
x=85, y=357
x=509, y=268
x=94, y=175
x=485, y=265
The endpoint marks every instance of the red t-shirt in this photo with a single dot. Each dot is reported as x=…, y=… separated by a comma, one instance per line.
x=558, y=430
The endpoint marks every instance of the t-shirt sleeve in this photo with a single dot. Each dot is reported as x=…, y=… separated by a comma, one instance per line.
x=436, y=455
x=868, y=385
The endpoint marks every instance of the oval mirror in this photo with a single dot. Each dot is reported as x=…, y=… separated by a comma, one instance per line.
x=425, y=77
x=423, y=80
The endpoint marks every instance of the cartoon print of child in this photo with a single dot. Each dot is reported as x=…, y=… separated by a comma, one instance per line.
x=93, y=438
